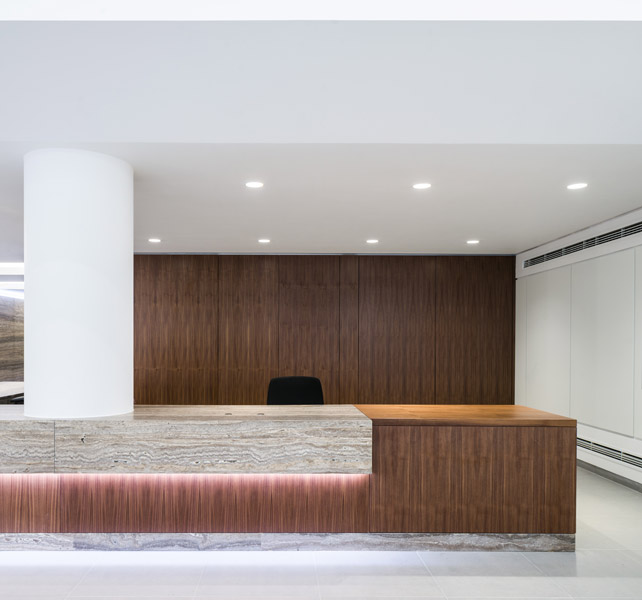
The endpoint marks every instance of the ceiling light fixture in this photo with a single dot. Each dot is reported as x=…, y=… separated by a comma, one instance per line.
x=372, y=241
x=154, y=240
x=576, y=186
x=264, y=241
x=422, y=186
x=472, y=242
x=254, y=184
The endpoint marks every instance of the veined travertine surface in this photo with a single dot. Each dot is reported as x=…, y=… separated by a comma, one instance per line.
x=211, y=439
x=436, y=542
x=26, y=446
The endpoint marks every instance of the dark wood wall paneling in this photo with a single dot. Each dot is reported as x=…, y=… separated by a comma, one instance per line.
x=309, y=304
x=176, y=329
x=474, y=329
x=248, y=328
x=374, y=329
x=397, y=330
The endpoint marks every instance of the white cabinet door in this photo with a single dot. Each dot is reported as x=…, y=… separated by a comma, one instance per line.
x=548, y=340
x=602, y=341
x=637, y=429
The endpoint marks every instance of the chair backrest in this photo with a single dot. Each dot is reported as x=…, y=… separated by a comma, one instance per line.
x=295, y=390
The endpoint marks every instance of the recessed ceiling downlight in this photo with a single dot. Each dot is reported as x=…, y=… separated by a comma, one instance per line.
x=577, y=186
x=254, y=184
x=264, y=241
x=372, y=241
x=422, y=186
x=472, y=242
x=154, y=240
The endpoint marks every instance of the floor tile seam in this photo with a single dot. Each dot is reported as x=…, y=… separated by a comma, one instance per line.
x=537, y=567
x=82, y=578
x=432, y=576
x=630, y=556
x=315, y=555
x=563, y=594
x=200, y=578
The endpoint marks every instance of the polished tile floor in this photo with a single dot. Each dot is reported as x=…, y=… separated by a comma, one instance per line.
x=607, y=564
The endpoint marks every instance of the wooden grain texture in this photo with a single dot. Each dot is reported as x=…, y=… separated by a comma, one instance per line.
x=214, y=503
x=455, y=479
x=349, y=330
x=29, y=503
x=396, y=329
x=248, y=328
x=474, y=334
x=175, y=329
x=309, y=301
x=375, y=329
x=11, y=339
x=501, y=415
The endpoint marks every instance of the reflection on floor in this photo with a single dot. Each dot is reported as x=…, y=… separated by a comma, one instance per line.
x=607, y=564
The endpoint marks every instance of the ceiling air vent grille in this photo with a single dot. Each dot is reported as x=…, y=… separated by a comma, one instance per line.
x=604, y=238
x=624, y=457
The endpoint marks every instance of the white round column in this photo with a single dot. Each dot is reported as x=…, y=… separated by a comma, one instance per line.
x=79, y=247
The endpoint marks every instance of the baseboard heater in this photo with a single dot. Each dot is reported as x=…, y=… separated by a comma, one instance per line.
x=625, y=457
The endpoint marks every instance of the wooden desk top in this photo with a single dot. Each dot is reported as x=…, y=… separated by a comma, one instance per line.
x=490, y=415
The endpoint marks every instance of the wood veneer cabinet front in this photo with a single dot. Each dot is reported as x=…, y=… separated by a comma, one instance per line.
x=473, y=479
x=214, y=503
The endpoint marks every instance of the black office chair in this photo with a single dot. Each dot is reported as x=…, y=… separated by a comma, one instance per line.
x=295, y=390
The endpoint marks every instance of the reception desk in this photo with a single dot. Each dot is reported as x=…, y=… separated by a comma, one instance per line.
x=370, y=476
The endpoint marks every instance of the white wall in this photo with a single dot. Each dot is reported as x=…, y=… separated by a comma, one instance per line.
x=578, y=349
x=548, y=341
x=602, y=307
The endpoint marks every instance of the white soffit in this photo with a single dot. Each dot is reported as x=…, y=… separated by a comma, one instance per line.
x=331, y=198
x=243, y=10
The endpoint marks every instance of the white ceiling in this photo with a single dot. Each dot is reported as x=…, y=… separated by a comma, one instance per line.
x=338, y=119
x=332, y=197
x=323, y=82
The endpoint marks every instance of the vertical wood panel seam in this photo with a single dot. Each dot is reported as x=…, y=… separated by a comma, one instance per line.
x=434, y=329
x=359, y=337
x=278, y=316
x=340, y=287
x=218, y=329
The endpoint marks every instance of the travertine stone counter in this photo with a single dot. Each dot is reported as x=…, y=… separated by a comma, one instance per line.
x=26, y=446
x=192, y=439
